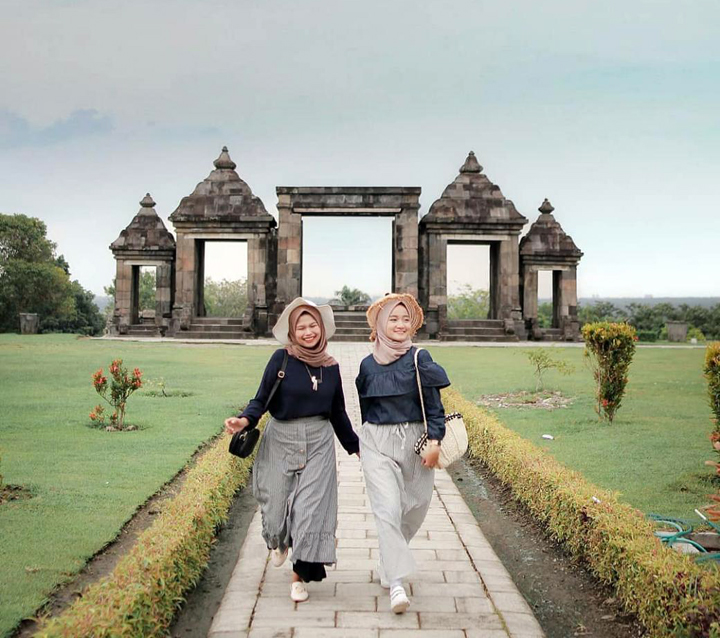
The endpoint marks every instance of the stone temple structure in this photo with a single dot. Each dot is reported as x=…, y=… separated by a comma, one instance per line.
x=471, y=210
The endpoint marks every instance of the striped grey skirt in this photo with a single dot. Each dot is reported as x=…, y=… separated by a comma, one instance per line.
x=295, y=483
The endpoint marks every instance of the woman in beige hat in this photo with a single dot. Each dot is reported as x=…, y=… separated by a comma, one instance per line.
x=399, y=482
x=294, y=477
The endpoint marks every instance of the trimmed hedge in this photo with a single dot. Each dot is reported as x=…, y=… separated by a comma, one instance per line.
x=670, y=593
x=147, y=587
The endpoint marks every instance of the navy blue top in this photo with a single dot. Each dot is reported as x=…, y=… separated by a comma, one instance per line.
x=389, y=393
x=295, y=397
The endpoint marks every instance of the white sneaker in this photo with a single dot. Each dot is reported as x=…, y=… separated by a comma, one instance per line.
x=298, y=592
x=277, y=558
x=398, y=600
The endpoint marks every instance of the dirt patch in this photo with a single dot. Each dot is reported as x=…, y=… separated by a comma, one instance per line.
x=13, y=493
x=566, y=599
x=526, y=400
x=196, y=615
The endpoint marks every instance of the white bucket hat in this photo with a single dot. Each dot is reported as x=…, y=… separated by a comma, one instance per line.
x=281, y=329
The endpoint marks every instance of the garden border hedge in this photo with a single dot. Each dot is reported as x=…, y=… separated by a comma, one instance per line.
x=145, y=590
x=669, y=592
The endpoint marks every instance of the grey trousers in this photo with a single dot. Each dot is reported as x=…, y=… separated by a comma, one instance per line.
x=399, y=489
x=295, y=483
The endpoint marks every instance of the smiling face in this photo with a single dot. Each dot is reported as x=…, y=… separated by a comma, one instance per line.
x=399, y=325
x=307, y=331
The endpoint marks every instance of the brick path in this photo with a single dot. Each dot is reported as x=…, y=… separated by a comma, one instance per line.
x=461, y=589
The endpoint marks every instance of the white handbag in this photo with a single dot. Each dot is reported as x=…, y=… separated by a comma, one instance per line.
x=455, y=442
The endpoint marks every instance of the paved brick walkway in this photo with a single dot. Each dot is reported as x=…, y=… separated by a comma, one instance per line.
x=461, y=589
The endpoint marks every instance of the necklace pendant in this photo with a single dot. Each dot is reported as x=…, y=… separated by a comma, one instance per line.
x=314, y=382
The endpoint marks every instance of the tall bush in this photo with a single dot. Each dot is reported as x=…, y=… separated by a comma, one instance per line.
x=610, y=348
x=712, y=375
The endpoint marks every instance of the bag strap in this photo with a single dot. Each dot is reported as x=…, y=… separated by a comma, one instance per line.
x=280, y=377
x=419, y=383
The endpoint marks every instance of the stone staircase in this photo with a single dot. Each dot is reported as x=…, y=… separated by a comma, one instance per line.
x=351, y=326
x=215, y=328
x=476, y=330
x=143, y=330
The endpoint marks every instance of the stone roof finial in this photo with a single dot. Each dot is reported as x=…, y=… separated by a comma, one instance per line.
x=546, y=207
x=147, y=201
x=471, y=164
x=224, y=161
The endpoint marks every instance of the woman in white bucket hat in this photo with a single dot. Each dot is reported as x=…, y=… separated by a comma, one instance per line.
x=294, y=476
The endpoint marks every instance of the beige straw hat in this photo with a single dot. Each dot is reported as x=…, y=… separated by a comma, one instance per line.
x=406, y=299
x=282, y=327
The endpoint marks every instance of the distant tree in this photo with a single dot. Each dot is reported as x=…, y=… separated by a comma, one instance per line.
x=600, y=311
x=469, y=303
x=545, y=314
x=225, y=298
x=350, y=297
x=32, y=278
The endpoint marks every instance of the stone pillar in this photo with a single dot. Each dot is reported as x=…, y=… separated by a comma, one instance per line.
x=185, y=283
x=565, y=289
x=530, y=293
x=289, y=257
x=163, y=297
x=29, y=323
x=256, y=316
x=405, y=255
x=122, y=314
x=437, y=278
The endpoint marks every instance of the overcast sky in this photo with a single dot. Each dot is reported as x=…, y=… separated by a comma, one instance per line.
x=609, y=109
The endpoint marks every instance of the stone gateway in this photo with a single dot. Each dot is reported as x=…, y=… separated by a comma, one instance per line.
x=471, y=210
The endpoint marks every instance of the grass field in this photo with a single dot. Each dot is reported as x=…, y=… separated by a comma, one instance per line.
x=86, y=483
x=653, y=453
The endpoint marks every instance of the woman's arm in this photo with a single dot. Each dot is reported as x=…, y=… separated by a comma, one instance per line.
x=433, y=378
x=256, y=406
x=341, y=422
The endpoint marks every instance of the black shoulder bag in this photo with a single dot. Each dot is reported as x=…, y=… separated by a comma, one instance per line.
x=243, y=443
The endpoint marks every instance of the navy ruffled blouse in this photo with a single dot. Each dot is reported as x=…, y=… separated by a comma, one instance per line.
x=389, y=393
x=295, y=397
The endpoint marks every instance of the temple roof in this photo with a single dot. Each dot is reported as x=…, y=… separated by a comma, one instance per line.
x=473, y=199
x=146, y=232
x=222, y=197
x=547, y=240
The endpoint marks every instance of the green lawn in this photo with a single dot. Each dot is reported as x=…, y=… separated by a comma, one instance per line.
x=86, y=483
x=653, y=453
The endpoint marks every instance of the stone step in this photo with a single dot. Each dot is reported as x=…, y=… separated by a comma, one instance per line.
x=214, y=327
x=351, y=338
x=475, y=323
x=350, y=323
x=492, y=339
x=498, y=331
x=215, y=335
x=227, y=321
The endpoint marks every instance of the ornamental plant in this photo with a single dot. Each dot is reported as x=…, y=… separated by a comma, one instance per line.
x=122, y=385
x=610, y=348
x=541, y=361
x=712, y=375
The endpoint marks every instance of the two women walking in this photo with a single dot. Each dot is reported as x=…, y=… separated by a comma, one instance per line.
x=294, y=476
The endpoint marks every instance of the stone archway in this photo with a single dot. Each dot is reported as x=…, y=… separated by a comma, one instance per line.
x=400, y=203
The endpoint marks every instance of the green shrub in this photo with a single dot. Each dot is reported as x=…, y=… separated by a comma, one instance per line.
x=610, y=348
x=669, y=592
x=695, y=333
x=147, y=586
x=647, y=335
x=541, y=360
x=712, y=376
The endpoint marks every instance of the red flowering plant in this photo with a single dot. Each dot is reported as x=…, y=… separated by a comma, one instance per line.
x=610, y=348
x=116, y=393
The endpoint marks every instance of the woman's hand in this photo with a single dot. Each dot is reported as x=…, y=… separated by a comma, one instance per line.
x=431, y=457
x=235, y=424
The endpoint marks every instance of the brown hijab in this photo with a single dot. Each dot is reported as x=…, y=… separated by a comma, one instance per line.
x=386, y=349
x=316, y=356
